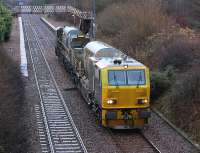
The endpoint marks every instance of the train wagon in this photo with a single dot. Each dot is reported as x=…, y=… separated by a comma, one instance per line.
x=116, y=86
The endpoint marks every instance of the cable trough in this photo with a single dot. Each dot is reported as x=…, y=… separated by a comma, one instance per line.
x=61, y=132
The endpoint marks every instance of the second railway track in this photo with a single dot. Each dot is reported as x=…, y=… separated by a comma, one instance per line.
x=62, y=134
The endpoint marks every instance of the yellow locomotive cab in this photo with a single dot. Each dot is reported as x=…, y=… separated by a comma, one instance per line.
x=125, y=96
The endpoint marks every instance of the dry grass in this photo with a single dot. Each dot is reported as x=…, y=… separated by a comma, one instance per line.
x=128, y=25
x=11, y=104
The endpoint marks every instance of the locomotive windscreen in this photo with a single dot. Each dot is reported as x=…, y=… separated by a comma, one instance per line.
x=126, y=77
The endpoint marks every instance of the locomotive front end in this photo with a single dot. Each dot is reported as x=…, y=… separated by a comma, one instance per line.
x=125, y=96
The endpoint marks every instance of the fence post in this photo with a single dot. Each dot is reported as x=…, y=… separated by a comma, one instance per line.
x=54, y=9
x=31, y=9
x=43, y=7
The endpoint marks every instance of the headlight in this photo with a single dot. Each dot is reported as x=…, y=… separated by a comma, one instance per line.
x=142, y=101
x=111, y=101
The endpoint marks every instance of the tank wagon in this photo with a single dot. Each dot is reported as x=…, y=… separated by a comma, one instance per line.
x=116, y=86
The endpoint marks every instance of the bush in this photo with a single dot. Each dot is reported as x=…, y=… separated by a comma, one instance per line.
x=187, y=89
x=2, y=149
x=178, y=53
x=100, y=4
x=182, y=102
x=160, y=83
x=5, y=23
x=128, y=25
x=177, y=47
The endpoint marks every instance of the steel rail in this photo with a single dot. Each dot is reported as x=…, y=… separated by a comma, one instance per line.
x=151, y=143
x=57, y=95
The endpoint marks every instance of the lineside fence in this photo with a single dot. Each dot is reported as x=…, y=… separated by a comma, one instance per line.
x=51, y=9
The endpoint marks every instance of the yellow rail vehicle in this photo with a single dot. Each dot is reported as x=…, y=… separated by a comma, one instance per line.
x=121, y=89
x=115, y=85
x=125, y=96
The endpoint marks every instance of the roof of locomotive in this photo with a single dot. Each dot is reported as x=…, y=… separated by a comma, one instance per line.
x=97, y=47
x=109, y=62
x=67, y=29
x=103, y=60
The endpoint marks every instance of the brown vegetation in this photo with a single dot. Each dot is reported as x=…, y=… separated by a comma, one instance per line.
x=128, y=25
x=177, y=47
x=186, y=12
x=12, y=135
x=181, y=104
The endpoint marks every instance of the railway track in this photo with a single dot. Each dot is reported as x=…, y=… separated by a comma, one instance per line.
x=59, y=129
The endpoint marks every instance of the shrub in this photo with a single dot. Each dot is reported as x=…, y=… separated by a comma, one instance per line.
x=184, y=99
x=177, y=47
x=181, y=103
x=178, y=53
x=100, y=4
x=187, y=89
x=129, y=24
x=2, y=149
x=160, y=83
x=5, y=23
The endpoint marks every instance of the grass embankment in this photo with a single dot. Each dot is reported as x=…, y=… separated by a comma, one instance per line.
x=12, y=128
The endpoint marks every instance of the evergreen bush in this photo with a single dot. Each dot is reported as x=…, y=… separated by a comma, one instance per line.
x=160, y=83
x=5, y=23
